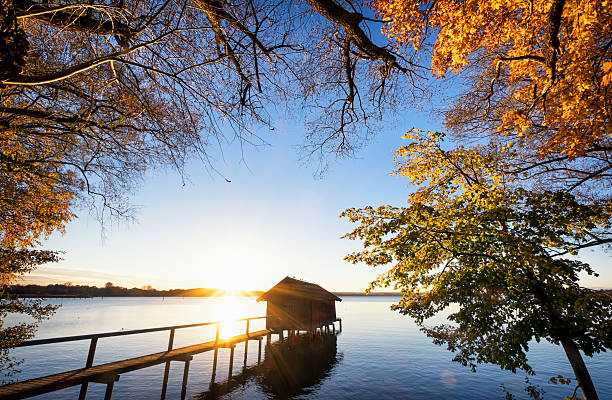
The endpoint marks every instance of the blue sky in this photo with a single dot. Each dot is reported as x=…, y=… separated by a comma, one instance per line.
x=274, y=219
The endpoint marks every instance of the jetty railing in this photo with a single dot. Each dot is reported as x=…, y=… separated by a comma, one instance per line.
x=94, y=337
x=109, y=373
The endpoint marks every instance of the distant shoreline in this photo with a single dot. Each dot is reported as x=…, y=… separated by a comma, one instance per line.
x=85, y=292
x=67, y=296
x=110, y=290
x=348, y=294
x=68, y=291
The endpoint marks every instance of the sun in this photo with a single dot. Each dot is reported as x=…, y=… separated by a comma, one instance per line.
x=228, y=310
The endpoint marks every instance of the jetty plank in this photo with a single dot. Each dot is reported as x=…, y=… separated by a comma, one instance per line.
x=107, y=372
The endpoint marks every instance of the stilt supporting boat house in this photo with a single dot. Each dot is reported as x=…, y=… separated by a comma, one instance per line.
x=295, y=305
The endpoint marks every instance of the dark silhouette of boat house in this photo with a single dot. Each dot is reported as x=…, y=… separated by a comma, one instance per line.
x=296, y=305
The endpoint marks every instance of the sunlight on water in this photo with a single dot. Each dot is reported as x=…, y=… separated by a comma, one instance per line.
x=380, y=354
x=228, y=310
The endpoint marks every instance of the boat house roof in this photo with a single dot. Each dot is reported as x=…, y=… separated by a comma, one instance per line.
x=297, y=288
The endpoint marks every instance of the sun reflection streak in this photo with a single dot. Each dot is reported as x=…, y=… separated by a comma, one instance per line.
x=228, y=310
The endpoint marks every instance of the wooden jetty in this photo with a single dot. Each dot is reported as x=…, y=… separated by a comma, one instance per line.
x=109, y=373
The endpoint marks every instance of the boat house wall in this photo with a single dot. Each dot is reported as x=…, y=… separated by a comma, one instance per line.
x=298, y=305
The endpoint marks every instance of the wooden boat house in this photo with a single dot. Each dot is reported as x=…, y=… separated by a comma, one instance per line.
x=299, y=306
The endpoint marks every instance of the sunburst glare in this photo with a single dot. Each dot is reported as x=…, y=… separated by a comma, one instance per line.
x=229, y=310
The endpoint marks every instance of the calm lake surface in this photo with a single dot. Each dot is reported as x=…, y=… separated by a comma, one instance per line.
x=379, y=355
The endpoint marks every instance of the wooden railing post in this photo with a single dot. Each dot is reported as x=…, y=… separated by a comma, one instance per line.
x=185, y=376
x=246, y=344
x=214, y=371
x=259, y=351
x=109, y=390
x=167, y=369
x=88, y=364
x=231, y=364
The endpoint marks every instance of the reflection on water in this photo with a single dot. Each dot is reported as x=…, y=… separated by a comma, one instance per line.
x=295, y=366
x=381, y=355
x=228, y=310
x=290, y=368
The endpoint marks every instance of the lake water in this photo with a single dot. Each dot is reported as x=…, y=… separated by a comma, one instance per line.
x=379, y=355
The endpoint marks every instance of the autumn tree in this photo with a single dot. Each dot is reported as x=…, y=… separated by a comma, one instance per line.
x=93, y=94
x=467, y=237
x=105, y=90
x=522, y=179
x=35, y=200
x=537, y=78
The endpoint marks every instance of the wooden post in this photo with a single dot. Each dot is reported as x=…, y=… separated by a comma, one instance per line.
x=340, y=321
x=231, y=364
x=246, y=344
x=246, y=349
x=269, y=338
x=214, y=371
x=88, y=364
x=92, y=352
x=281, y=335
x=334, y=328
x=167, y=369
x=259, y=351
x=185, y=376
x=109, y=390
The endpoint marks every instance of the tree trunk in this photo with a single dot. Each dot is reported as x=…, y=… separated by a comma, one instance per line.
x=571, y=350
x=580, y=369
